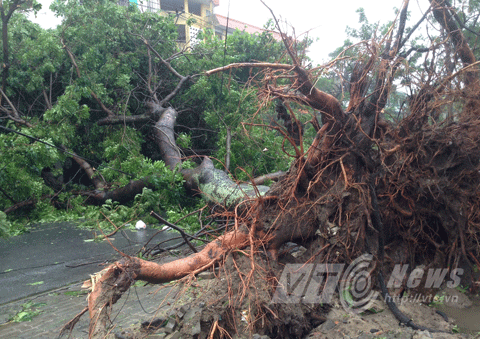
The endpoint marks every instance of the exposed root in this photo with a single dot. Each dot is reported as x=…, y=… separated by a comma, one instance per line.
x=109, y=285
x=68, y=327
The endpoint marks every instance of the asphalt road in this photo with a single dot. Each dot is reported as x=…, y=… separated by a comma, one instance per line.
x=55, y=255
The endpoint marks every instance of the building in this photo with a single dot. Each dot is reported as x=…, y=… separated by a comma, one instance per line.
x=222, y=22
x=192, y=16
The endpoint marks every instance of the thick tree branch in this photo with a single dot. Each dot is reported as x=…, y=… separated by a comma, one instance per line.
x=270, y=176
x=327, y=104
x=169, y=97
x=444, y=16
x=251, y=65
x=48, y=101
x=217, y=187
x=21, y=204
x=401, y=27
x=90, y=171
x=414, y=28
x=214, y=184
x=154, y=113
x=122, y=194
x=166, y=63
x=165, y=137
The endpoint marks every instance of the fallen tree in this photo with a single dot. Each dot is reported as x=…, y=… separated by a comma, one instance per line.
x=84, y=125
x=406, y=193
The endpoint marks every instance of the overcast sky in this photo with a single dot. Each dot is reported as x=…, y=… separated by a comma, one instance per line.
x=326, y=20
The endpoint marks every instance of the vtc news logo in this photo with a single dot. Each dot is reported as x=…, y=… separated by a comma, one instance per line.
x=317, y=283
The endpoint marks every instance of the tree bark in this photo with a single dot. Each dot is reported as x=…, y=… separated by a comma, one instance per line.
x=112, y=282
x=228, y=147
x=165, y=137
x=444, y=16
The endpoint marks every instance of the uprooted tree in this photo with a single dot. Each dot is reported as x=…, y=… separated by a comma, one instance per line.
x=405, y=191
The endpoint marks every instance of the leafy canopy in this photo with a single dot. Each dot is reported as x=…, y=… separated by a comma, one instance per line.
x=59, y=79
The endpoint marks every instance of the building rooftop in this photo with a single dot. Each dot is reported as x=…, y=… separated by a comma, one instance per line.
x=242, y=26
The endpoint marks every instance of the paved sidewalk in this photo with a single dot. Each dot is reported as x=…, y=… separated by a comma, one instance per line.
x=35, y=266
x=57, y=307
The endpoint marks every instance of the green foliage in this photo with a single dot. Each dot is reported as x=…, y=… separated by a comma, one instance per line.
x=366, y=30
x=4, y=225
x=28, y=312
x=103, y=39
x=240, y=47
x=184, y=140
x=98, y=50
x=22, y=164
x=168, y=197
x=76, y=293
x=35, y=53
x=226, y=100
x=254, y=151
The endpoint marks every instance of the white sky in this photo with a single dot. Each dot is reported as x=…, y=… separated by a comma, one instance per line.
x=326, y=19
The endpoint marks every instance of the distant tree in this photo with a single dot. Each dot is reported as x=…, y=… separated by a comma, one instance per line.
x=7, y=10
